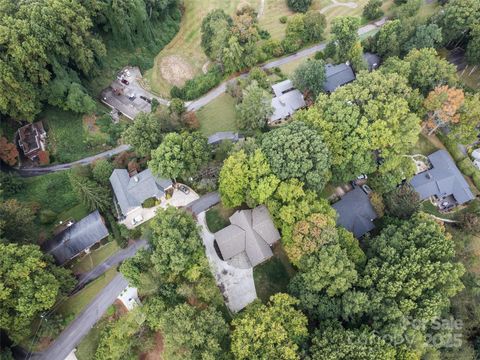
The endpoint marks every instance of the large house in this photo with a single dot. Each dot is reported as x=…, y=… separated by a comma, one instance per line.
x=443, y=182
x=131, y=191
x=251, y=233
x=76, y=238
x=355, y=212
x=287, y=100
x=336, y=76
x=32, y=139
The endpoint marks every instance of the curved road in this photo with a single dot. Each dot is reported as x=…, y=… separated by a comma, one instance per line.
x=190, y=105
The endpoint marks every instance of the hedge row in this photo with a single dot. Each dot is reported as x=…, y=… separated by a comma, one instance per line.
x=199, y=85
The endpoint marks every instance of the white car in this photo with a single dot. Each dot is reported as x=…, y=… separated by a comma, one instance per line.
x=137, y=219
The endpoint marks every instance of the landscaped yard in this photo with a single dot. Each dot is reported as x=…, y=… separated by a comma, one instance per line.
x=68, y=138
x=219, y=115
x=183, y=57
x=217, y=217
x=273, y=275
x=76, y=303
x=424, y=146
x=94, y=258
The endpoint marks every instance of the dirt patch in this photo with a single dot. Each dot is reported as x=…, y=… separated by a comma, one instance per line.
x=120, y=309
x=156, y=352
x=89, y=123
x=176, y=70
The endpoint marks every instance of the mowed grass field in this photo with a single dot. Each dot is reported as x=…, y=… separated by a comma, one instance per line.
x=183, y=57
x=219, y=115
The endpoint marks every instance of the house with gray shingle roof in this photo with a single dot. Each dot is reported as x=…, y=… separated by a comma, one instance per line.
x=336, y=76
x=287, y=100
x=250, y=233
x=131, y=191
x=355, y=212
x=76, y=238
x=443, y=181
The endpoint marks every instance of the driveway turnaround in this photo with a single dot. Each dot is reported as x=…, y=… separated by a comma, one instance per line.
x=236, y=285
x=204, y=203
x=74, y=333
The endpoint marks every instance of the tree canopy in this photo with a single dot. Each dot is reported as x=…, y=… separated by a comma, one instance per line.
x=144, y=134
x=246, y=179
x=255, y=108
x=17, y=223
x=365, y=121
x=310, y=77
x=180, y=155
x=299, y=5
x=297, y=151
x=272, y=331
x=30, y=285
x=465, y=130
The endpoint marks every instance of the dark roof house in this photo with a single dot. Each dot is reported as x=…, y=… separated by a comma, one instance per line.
x=336, y=76
x=443, y=180
x=76, y=238
x=355, y=212
x=251, y=232
x=373, y=60
x=131, y=192
x=287, y=100
x=31, y=139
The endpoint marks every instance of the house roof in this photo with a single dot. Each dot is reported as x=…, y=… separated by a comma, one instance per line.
x=252, y=232
x=355, y=212
x=30, y=137
x=443, y=179
x=285, y=105
x=373, y=60
x=223, y=135
x=282, y=87
x=131, y=192
x=337, y=75
x=76, y=238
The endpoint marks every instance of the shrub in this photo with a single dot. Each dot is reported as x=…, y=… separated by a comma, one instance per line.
x=273, y=47
x=283, y=19
x=372, y=10
x=149, y=203
x=319, y=55
x=299, y=5
x=377, y=204
x=155, y=105
x=452, y=147
x=47, y=216
x=199, y=85
x=115, y=228
x=264, y=34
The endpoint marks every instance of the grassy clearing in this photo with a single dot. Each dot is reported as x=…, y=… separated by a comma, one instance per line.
x=186, y=44
x=218, y=115
x=273, y=276
x=217, y=217
x=470, y=78
x=270, y=21
x=68, y=139
x=424, y=146
x=94, y=258
x=76, y=303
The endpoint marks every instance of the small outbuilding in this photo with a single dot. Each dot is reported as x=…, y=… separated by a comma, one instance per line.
x=250, y=232
x=355, y=212
x=373, y=60
x=76, y=238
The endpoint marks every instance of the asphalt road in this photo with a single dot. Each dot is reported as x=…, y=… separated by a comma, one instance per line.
x=204, y=203
x=34, y=171
x=74, y=333
x=112, y=261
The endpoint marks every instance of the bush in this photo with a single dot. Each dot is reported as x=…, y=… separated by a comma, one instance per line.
x=149, y=203
x=372, y=10
x=283, y=19
x=452, y=147
x=273, y=47
x=264, y=34
x=377, y=204
x=155, y=105
x=199, y=85
x=47, y=216
x=299, y=5
x=115, y=228
x=319, y=55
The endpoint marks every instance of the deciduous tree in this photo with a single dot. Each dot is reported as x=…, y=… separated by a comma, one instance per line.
x=102, y=169
x=253, y=338
x=180, y=155
x=457, y=18
x=17, y=222
x=255, y=108
x=298, y=151
x=465, y=131
x=8, y=152
x=310, y=77
x=372, y=9
x=402, y=202
x=473, y=47
x=426, y=36
x=144, y=134
x=345, y=31
x=443, y=104
x=299, y=5
x=315, y=24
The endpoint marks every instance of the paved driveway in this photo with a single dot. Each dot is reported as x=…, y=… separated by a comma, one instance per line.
x=237, y=285
x=204, y=203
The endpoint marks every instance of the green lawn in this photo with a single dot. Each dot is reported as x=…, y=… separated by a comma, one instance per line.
x=217, y=218
x=68, y=139
x=76, y=303
x=183, y=57
x=273, y=276
x=424, y=146
x=219, y=115
x=94, y=258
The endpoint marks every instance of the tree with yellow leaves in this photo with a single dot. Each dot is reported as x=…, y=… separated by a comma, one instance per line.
x=443, y=105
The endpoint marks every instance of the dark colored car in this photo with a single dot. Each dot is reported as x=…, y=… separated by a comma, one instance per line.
x=124, y=81
x=184, y=189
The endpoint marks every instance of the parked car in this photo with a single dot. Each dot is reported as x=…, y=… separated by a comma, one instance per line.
x=367, y=189
x=125, y=81
x=146, y=99
x=362, y=177
x=184, y=189
x=137, y=219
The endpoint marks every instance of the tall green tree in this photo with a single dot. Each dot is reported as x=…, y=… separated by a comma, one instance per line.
x=315, y=24
x=272, y=331
x=89, y=193
x=457, y=18
x=144, y=134
x=177, y=249
x=426, y=36
x=310, y=77
x=246, y=179
x=192, y=333
x=361, y=122
x=345, y=32
x=31, y=284
x=180, y=155
x=473, y=47
x=402, y=202
x=390, y=39
x=211, y=24
x=372, y=9
x=298, y=151
x=465, y=131
x=255, y=108
x=299, y=5
x=17, y=223
x=102, y=169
